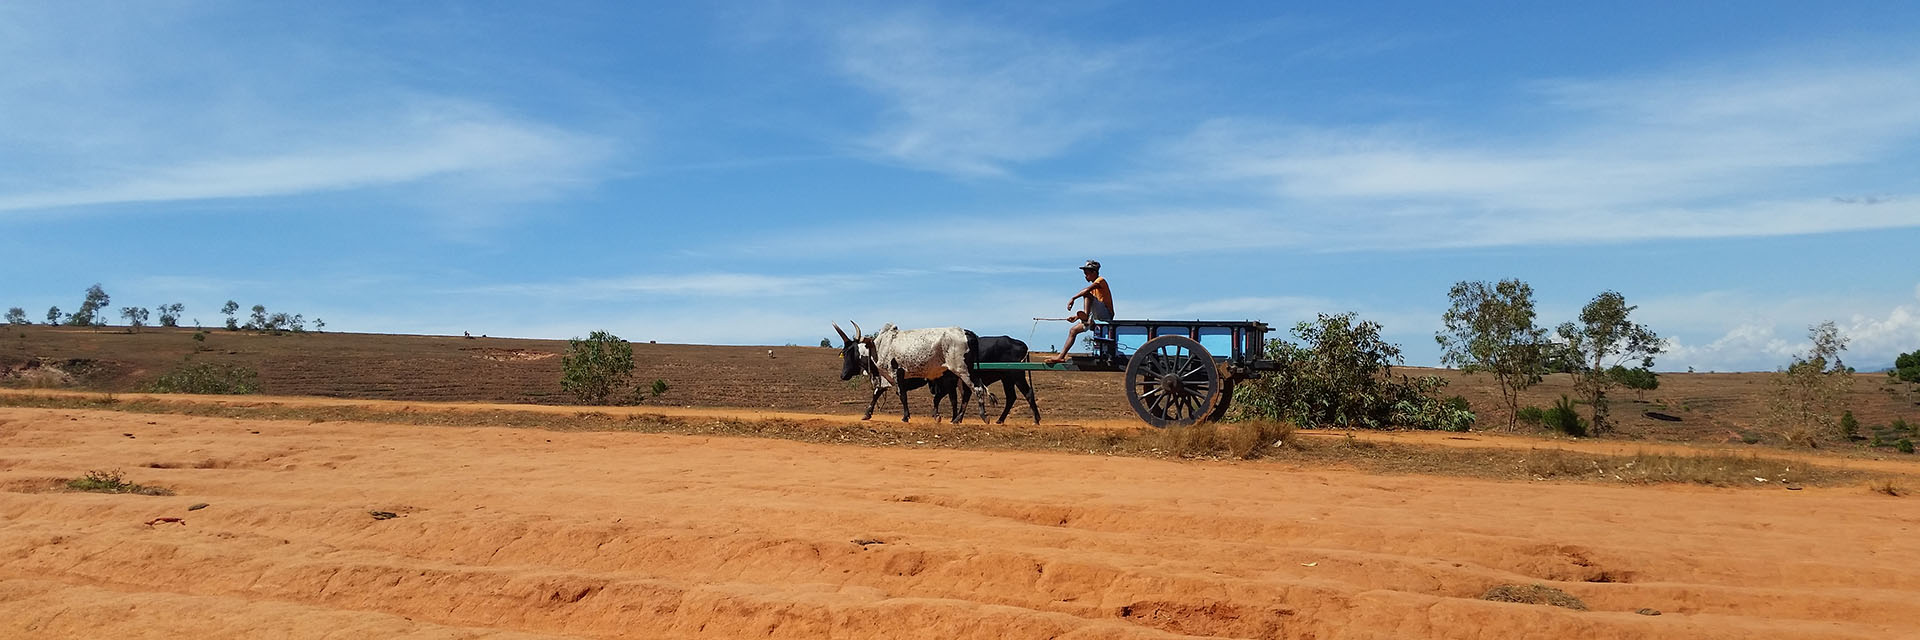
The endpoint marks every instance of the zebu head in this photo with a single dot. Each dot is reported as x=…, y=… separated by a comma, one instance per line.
x=856, y=353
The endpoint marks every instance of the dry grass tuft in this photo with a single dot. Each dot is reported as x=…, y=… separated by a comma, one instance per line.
x=1649, y=468
x=1534, y=594
x=1886, y=486
x=1237, y=440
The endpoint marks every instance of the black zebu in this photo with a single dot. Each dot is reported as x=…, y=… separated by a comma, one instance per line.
x=1012, y=383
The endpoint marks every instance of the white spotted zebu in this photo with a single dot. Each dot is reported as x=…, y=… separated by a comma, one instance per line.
x=893, y=355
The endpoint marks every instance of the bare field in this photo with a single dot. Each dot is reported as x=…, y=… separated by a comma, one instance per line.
x=513, y=532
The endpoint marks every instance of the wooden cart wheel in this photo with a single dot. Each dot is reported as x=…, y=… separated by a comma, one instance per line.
x=1171, y=382
x=1226, y=400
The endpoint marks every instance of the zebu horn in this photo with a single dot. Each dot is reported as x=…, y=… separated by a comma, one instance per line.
x=856, y=330
x=843, y=335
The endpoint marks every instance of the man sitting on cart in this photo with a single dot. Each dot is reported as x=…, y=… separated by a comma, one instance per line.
x=1099, y=307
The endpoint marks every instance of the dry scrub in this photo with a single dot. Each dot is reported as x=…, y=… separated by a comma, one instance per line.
x=98, y=481
x=1534, y=594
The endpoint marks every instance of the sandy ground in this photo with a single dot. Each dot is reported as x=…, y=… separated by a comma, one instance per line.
x=512, y=533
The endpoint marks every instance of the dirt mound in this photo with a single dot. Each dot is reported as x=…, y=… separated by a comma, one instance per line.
x=518, y=533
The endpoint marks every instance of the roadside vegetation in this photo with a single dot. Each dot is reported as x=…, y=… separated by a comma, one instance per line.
x=1340, y=375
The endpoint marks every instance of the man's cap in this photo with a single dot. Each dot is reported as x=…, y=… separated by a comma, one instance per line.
x=1091, y=265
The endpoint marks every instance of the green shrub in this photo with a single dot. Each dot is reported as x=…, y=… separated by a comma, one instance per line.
x=1532, y=415
x=1565, y=418
x=1849, y=426
x=1904, y=445
x=1341, y=375
x=592, y=368
x=208, y=378
x=98, y=481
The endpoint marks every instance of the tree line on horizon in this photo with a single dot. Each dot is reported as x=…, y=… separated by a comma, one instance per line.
x=93, y=313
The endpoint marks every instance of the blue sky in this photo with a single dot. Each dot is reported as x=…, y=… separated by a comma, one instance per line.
x=746, y=173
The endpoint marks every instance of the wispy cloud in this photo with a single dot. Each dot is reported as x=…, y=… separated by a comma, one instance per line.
x=967, y=98
x=1682, y=154
x=729, y=285
x=157, y=106
x=503, y=156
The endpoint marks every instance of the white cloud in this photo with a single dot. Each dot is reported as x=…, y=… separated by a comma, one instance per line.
x=970, y=99
x=1768, y=334
x=1687, y=154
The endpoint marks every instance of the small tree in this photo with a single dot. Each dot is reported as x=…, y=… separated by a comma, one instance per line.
x=1605, y=337
x=319, y=326
x=231, y=308
x=1906, y=367
x=258, y=321
x=826, y=343
x=136, y=318
x=53, y=316
x=1810, y=394
x=89, y=313
x=1639, y=379
x=170, y=314
x=17, y=316
x=1490, y=328
x=592, y=368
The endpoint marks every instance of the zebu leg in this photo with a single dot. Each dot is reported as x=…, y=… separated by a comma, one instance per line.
x=906, y=413
x=1007, y=398
x=961, y=396
x=1026, y=386
x=873, y=401
x=942, y=387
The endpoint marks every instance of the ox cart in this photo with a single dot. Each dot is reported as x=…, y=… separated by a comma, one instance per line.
x=1177, y=372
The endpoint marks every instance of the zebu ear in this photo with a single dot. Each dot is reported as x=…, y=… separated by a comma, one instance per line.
x=843, y=335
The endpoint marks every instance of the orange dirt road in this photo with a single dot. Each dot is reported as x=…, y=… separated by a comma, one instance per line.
x=518, y=533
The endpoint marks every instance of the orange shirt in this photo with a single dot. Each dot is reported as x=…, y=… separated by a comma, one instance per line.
x=1101, y=292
